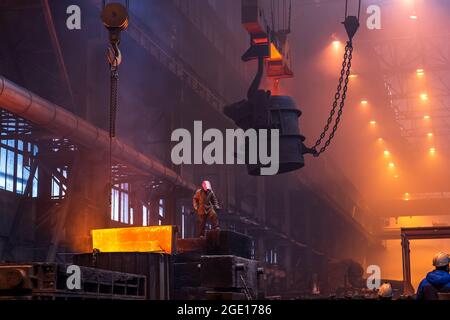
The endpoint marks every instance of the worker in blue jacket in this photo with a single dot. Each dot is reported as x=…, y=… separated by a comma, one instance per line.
x=437, y=281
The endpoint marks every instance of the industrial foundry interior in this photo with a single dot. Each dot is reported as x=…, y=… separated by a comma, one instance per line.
x=350, y=99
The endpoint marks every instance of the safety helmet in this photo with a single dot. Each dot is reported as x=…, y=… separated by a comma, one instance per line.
x=441, y=259
x=385, y=291
x=206, y=185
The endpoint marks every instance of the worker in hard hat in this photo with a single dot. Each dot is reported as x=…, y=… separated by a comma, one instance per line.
x=437, y=281
x=385, y=292
x=205, y=204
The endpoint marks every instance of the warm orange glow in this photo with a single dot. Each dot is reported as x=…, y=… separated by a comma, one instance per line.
x=364, y=102
x=139, y=239
x=396, y=176
x=336, y=44
x=380, y=139
x=427, y=117
x=353, y=76
x=430, y=134
x=275, y=55
x=373, y=122
x=260, y=40
x=406, y=196
x=391, y=165
x=387, y=153
x=420, y=72
x=432, y=150
x=276, y=87
x=424, y=96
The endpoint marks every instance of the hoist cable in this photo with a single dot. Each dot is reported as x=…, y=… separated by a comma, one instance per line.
x=359, y=9
x=272, y=14
x=290, y=16
x=278, y=16
x=346, y=8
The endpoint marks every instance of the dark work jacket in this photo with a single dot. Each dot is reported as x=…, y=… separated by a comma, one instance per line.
x=437, y=281
x=205, y=202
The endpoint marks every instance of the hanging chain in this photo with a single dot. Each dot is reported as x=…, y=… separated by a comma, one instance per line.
x=113, y=106
x=341, y=94
x=115, y=18
x=113, y=102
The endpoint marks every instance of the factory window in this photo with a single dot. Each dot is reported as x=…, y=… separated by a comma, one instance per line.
x=161, y=211
x=16, y=156
x=120, y=208
x=271, y=256
x=161, y=208
x=145, y=216
x=253, y=251
x=183, y=222
x=58, y=186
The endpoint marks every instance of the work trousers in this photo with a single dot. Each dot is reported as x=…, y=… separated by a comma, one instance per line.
x=203, y=218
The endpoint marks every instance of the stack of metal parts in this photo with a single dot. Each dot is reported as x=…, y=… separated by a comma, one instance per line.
x=156, y=267
x=218, y=267
x=146, y=251
x=48, y=281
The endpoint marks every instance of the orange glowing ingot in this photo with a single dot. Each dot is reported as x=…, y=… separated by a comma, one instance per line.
x=138, y=239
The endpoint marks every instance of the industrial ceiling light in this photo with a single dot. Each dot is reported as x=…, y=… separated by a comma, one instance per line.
x=432, y=150
x=420, y=72
x=427, y=117
x=424, y=96
x=364, y=102
x=430, y=134
x=336, y=44
x=391, y=165
x=387, y=153
x=373, y=122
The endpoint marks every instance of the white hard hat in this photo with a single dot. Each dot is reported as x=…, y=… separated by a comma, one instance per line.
x=441, y=259
x=385, y=290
